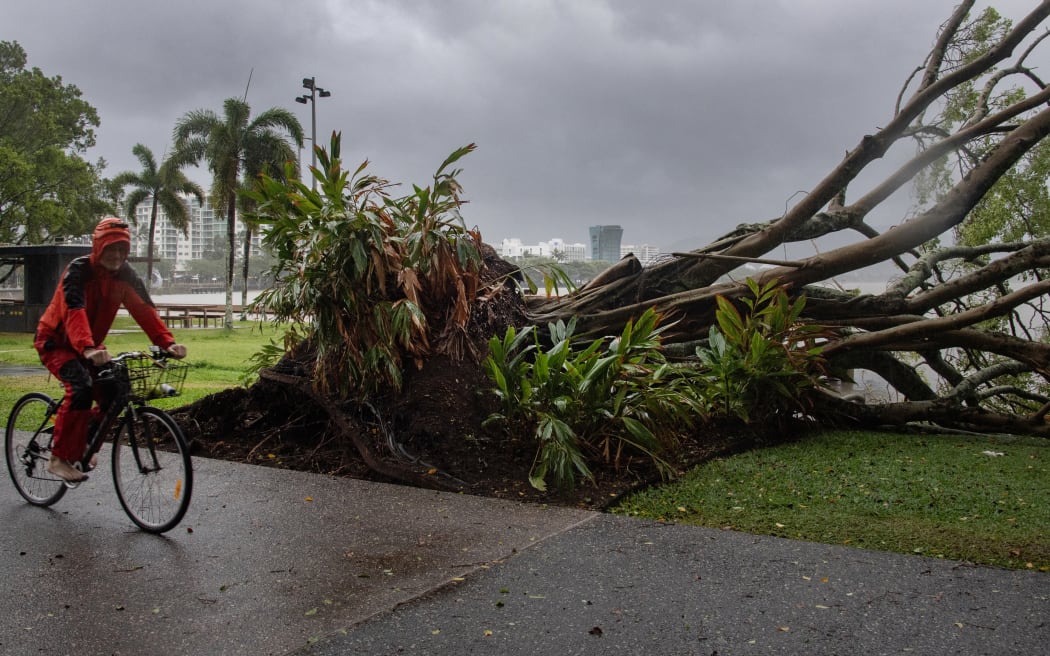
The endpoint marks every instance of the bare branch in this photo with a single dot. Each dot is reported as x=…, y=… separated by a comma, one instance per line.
x=925, y=328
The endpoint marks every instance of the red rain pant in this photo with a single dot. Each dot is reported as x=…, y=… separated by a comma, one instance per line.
x=76, y=411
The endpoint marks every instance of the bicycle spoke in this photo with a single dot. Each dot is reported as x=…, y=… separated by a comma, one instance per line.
x=152, y=471
x=28, y=449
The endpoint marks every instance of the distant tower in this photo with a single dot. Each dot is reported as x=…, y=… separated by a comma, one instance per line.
x=605, y=242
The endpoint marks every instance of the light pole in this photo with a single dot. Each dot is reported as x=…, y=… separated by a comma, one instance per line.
x=315, y=92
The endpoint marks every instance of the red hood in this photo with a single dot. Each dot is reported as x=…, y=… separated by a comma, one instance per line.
x=110, y=230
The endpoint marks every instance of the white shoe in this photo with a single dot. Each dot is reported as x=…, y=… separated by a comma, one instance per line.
x=65, y=471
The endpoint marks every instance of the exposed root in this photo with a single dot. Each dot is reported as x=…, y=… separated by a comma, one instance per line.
x=348, y=428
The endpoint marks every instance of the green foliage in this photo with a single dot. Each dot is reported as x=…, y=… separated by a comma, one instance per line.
x=548, y=273
x=379, y=280
x=554, y=278
x=1016, y=208
x=977, y=498
x=46, y=187
x=589, y=403
x=235, y=144
x=759, y=364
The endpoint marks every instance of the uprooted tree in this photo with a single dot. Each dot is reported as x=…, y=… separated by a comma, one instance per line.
x=384, y=289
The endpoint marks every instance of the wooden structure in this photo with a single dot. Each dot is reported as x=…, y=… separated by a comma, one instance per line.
x=201, y=316
x=42, y=268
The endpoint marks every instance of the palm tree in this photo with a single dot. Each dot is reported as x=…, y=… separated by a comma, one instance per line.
x=269, y=156
x=163, y=185
x=234, y=145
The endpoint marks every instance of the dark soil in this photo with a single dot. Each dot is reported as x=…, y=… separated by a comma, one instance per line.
x=431, y=431
x=440, y=425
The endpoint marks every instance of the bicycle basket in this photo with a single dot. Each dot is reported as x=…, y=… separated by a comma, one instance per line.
x=153, y=379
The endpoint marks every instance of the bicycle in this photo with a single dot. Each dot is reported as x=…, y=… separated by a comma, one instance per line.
x=151, y=466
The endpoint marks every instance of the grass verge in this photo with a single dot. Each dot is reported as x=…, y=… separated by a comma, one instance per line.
x=973, y=498
x=217, y=359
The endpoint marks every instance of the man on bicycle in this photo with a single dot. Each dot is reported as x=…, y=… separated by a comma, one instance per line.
x=74, y=326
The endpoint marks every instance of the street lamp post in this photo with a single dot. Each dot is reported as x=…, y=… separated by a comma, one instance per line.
x=315, y=92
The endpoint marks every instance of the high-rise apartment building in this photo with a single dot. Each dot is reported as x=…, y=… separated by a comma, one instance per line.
x=205, y=234
x=605, y=242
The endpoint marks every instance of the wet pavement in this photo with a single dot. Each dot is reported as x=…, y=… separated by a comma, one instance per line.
x=271, y=561
x=265, y=561
x=19, y=370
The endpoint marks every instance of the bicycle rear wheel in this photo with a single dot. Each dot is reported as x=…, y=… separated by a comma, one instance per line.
x=27, y=443
x=152, y=470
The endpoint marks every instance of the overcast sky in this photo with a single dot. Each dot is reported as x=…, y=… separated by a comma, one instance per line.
x=675, y=119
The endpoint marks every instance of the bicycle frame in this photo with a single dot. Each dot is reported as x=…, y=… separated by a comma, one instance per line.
x=151, y=466
x=121, y=412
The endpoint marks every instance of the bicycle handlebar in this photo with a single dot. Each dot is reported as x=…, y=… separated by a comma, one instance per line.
x=155, y=353
x=107, y=371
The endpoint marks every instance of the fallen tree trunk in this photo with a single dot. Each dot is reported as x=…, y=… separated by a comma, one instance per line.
x=958, y=335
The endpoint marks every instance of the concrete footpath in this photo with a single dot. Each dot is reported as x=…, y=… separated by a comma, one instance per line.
x=279, y=562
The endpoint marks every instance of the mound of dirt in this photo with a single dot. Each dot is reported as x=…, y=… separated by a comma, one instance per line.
x=430, y=434
x=434, y=426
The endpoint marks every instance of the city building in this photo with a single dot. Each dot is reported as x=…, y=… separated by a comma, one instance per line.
x=605, y=242
x=555, y=249
x=205, y=234
x=645, y=253
x=565, y=252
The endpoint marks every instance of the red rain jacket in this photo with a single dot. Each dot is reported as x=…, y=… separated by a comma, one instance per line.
x=86, y=301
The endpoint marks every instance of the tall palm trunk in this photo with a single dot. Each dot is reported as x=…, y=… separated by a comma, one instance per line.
x=244, y=270
x=149, y=245
x=231, y=232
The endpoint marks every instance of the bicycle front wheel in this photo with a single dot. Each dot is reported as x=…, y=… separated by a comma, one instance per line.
x=152, y=470
x=30, y=427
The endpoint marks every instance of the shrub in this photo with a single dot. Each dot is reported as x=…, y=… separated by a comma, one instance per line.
x=612, y=395
x=760, y=364
x=377, y=280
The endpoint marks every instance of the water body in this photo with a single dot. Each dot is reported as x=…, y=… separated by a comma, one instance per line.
x=210, y=298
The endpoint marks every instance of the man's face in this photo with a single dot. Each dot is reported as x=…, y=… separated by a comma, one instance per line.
x=113, y=256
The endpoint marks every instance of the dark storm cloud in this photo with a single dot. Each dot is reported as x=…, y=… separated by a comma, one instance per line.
x=676, y=119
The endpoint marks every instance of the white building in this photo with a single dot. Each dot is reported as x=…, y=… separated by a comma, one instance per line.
x=646, y=253
x=206, y=231
x=563, y=252
x=555, y=249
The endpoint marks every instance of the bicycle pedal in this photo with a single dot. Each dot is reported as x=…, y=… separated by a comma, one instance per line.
x=72, y=485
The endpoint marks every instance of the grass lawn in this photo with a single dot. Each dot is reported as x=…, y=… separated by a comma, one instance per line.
x=981, y=499
x=218, y=358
